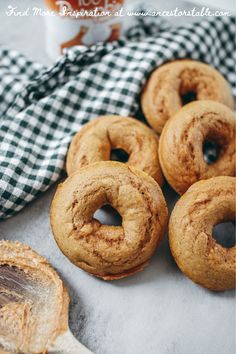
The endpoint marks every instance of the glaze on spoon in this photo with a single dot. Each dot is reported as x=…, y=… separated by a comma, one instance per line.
x=33, y=304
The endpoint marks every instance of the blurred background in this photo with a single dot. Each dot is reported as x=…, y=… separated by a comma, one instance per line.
x=27, y=34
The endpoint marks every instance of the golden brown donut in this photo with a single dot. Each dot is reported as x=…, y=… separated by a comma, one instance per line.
x=33, y=300
x=181, y=144
x=205, y=204
x=110, y=252
x=96, y=139
x=171, y=84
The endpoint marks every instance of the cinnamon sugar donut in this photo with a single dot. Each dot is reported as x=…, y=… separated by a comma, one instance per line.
x=205, y=204
x=173, y=83
x=110, y=252
x=182, y=143
x=33, y=301
x=95, y=141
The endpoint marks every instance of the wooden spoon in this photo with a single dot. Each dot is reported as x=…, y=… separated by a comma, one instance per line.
x=67, y=344
x=33, y=304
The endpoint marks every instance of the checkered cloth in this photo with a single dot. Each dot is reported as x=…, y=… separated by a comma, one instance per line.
x=41, y=108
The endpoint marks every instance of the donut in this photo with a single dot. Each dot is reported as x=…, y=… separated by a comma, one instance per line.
x=33, y=302
x=205, y=204
x=176, y=83
x=182, y=142
x=109, y=252
x=95, y=141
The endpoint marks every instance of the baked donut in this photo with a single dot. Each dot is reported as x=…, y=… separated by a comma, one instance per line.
x=33, y=301
x=182, y=142
x=109, y=252
x=176, y=83
x=95, y=141
x=205, y=204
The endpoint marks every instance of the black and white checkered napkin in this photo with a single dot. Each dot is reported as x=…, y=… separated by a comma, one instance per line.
x=41, y=109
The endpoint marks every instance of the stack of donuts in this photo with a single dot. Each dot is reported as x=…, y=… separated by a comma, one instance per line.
x=191, y=144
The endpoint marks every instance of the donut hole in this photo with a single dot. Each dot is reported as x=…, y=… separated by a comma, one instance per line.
x=119, y=155
x=211, y=151
x=107, y=215
x=224, y=234
x=188, y=97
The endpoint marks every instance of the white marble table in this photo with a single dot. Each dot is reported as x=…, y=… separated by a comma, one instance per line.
x=158, y=311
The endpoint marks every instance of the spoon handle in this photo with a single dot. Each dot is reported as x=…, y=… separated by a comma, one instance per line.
x=66, y=343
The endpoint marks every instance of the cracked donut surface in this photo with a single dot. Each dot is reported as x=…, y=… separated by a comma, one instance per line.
x=33, y=300
x=109, y=251
x=163, y=94
x=181, y=144
x=205, y=204
x=96, y=139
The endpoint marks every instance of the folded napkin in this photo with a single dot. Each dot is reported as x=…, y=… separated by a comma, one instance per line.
x=42, y=108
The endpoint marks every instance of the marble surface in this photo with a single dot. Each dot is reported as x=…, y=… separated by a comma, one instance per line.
x=158, y=311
